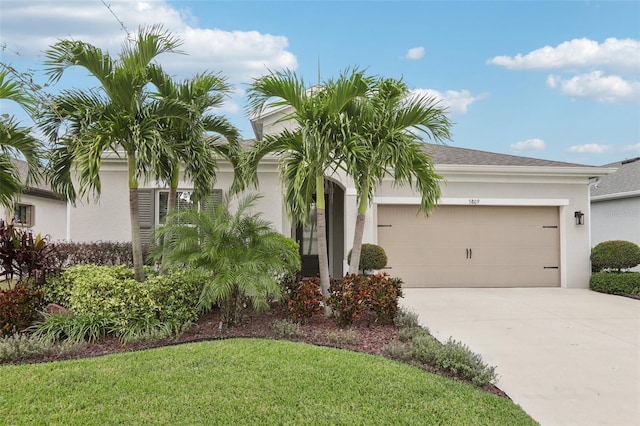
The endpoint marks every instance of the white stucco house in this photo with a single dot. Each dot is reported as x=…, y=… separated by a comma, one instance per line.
x=503, y=220
x=615, y=204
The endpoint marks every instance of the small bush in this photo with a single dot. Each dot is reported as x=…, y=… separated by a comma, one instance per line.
x=354, y=295
x=19, y=308
x=458, y=359
x=305, y=298
x=426, y=349
x=615, y=255
x=406, y=319
x=407, y=334
x=342, y=337
x=398, y=350
x=22, y=347
x=284, y=329
x=348, y=298
x=624, y=284
x=372, y=256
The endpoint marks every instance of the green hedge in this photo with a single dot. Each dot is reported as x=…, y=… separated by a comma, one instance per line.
x=615, y=255
x=110, y=297
x=624, y=283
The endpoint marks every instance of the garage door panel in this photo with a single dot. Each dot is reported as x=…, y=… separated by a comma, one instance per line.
x=472, y=246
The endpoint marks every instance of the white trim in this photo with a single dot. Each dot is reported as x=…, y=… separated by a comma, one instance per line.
x=563, y=245
x=628, y=194
x=350, y=191
x=477, y=201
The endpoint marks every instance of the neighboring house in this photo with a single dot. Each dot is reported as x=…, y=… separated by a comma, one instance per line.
x=615, y=204
x=38, y=209
x=503, y=220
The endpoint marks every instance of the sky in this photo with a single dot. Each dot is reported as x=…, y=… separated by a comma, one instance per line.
x=558, y=80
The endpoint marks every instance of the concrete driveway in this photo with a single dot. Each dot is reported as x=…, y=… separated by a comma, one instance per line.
x=566, y=356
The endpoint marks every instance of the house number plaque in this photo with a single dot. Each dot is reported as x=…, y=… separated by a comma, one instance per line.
x=474, y=201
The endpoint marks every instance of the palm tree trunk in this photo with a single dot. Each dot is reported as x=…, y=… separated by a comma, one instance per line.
x=354, y=265
x=171, y=204
x=134, y=214
x=323, y=258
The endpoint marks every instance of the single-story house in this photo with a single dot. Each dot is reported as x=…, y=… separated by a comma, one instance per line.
x=615, y=204
x=502, y=221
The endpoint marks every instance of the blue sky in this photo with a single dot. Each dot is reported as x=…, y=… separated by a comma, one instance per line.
x=554, y=80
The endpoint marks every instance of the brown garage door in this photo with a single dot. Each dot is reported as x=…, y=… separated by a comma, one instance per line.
x=472, y=246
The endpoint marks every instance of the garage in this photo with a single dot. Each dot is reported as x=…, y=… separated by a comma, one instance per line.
x=472, y=245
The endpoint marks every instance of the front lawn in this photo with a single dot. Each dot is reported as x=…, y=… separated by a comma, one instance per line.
x=243, y=381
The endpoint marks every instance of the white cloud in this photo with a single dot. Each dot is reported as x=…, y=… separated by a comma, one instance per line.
x=617, y=55
x=528, y=145
x=590, y=148
x=632, y=148
x=240, y=55
x=415, y=53
x=457, y=102
x=596, y=85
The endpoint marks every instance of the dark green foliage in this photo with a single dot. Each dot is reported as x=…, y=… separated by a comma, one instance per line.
x=19, y=308
x=305, y=298
x=615, y=255
x=108, y=300
x=371, y=257
x=354, y=295
x=101, y=253
x=23, y=256
x=624, y=284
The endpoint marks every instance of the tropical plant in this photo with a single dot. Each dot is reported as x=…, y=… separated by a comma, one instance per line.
x=196, y=141
x=16, y=142
x=308, y=153
x=119, y=115
x=244, y=256
x=386, y=129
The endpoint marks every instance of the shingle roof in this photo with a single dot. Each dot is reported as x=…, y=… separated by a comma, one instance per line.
x=626, y=179
x=446, y=154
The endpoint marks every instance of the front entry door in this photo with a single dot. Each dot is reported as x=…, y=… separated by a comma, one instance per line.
x=307, y=237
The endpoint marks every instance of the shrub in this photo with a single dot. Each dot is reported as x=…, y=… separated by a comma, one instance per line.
x=284, y=328
x=101, y=253
x=305, y=299
x=25, y=256
x=625, y=283
x=426, y=349
x=615, y=254
x=398, y=350
x=18, y=308
x=384, y=293
x=458, y=359
x=348, y=297
x=107, y=300
x=23, y=347
x=406, y=319
x=342, y=337
x=372, y=256
x=354, y=295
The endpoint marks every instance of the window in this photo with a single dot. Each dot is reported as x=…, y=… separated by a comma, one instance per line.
x=24, y=214
x=183, y=202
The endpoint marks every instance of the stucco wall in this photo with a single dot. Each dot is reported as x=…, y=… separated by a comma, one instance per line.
x=617, y=219
x=50, y=216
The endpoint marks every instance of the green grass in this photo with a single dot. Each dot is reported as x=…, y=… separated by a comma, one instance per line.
x=243, y=381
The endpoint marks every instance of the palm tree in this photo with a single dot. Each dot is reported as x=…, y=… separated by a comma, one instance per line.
x=15, y=142
x=386, y=129
x=308, y=153
x=118, y=115
x=196, y=141
x=244, y=255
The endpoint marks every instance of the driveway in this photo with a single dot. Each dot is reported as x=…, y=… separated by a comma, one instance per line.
x=566, y=356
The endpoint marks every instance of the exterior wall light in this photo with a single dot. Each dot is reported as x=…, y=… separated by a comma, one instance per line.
x=579, y=217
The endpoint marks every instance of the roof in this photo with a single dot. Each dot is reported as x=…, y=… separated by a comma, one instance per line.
x=40, y=189
x=624, y=182
x=446, y=154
